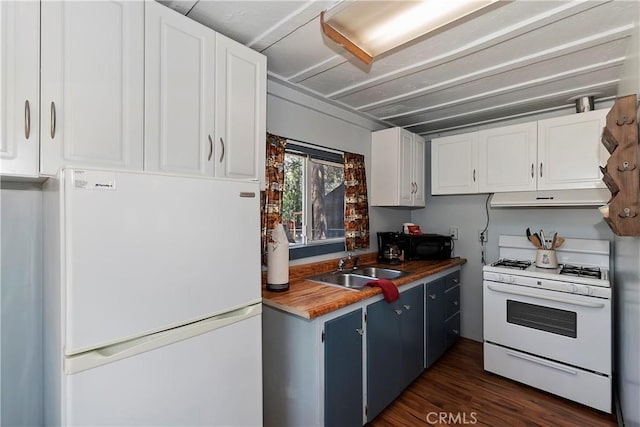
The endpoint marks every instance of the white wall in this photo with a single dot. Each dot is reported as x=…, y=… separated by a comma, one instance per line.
x=627, y=278
x=295, y=115
x=21, y=304
x=468, y=213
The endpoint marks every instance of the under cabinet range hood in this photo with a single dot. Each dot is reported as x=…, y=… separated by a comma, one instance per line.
x=582, y=197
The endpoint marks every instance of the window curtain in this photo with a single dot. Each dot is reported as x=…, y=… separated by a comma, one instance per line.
x=356, y=205
x=271, y=198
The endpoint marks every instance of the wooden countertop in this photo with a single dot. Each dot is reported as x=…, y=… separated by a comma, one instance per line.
x=310, y=299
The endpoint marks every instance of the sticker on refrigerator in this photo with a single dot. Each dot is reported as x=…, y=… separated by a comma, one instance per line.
x=94, y=180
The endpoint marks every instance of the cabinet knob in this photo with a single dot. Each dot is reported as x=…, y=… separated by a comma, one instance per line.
x=455, y=331
x=398, y=312
x=407, y=307
x=455, y=281
x=432, y=296
x=455, y=303
x=360, y=331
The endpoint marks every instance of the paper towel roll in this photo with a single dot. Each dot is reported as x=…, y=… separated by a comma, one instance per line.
x=278, y=260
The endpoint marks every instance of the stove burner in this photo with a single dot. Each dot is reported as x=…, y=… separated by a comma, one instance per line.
x=512, y=263
x=575, y=270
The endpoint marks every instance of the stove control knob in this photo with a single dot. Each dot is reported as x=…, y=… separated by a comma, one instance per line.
x=500, y=278
x=572, y=288
x=586, y=290
x=511, y=279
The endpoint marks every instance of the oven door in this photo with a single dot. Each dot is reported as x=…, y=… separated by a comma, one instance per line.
x=569, y=328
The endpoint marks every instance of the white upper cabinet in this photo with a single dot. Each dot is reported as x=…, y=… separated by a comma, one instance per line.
x=508, y=158
x=570, y=152
x=241, y=79
x=397, y=168
x=92, y=71
x=552, y=154
x=179, y=93
x=19, y=87
x=454, y=164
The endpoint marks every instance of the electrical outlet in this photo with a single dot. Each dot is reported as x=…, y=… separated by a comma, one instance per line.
x=453, y=233
x=483, y=237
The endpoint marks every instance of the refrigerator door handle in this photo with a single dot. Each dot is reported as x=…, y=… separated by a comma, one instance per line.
x=102, y=356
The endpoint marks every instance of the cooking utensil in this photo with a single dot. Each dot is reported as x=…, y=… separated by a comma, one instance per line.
x=535, y=239
x=543, y=240
x=528, y=234
x=559, y=242
x=554, y=241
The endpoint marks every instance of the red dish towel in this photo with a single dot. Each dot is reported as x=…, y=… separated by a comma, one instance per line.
x=389, y=290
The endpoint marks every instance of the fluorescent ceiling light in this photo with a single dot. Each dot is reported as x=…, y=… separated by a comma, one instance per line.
x=369, y=28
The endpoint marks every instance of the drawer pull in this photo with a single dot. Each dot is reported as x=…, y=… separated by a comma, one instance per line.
x=360, y=331
x=455, y=303
x=222, y=154
x=398, y=312
x=455, y=331
x=432, y=296
x=542, y=362
x=407, y=307
x=210, y=149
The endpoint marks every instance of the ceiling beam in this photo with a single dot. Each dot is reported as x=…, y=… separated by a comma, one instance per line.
x=565, y=10
x=536, y=57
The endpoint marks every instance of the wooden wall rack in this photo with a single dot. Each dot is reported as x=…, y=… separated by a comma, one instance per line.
x=622, y=172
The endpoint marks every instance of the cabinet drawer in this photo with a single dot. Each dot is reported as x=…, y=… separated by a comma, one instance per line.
x=572, y=383
x=452, y=298
x=452, y=330
x=452, y=280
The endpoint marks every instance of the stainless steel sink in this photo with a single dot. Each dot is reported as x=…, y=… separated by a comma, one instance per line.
x=356, y=279
x=342, y=279
x=380, y=273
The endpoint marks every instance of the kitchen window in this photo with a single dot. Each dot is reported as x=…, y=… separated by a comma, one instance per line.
x=313, y=200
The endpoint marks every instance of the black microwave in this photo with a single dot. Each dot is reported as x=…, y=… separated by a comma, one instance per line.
x=427, y=246
x=416, y=246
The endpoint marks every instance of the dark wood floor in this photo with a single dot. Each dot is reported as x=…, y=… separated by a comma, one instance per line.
x=457, y=391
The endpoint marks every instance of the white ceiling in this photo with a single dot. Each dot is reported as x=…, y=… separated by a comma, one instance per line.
x=518, y=58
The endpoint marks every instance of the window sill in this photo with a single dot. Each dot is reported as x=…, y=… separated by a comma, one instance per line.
x=305, y=251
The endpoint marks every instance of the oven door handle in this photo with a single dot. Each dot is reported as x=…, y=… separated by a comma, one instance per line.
x=542, y=362
x=549, y=298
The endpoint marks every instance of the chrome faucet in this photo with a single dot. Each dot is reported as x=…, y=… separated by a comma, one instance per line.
x=349, y=257
x=343, y=261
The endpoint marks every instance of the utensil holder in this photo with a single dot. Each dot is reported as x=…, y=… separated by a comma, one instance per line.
x=546, y=258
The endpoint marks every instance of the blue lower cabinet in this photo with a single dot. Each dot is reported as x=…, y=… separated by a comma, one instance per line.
x=442, y=316
x=343, y=392
x=395, y=348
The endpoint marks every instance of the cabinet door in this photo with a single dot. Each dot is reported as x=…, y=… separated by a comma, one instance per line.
x=507, y=158
x=241, y=111
x=454, y=164
x=384, y=356
x=343, y=370
x=92, y=75
x=412, y=326
x=405, y=173
x=418, y=170
x=179, y=93
x=435, y=332
x=19, y=87
x=570, y=152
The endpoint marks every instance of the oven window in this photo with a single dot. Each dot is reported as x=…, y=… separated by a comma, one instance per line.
x=559, y=322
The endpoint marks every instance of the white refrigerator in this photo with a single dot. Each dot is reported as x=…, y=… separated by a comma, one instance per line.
x=152, y=301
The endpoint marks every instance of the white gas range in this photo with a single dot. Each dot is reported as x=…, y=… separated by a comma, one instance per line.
x=551, y=328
